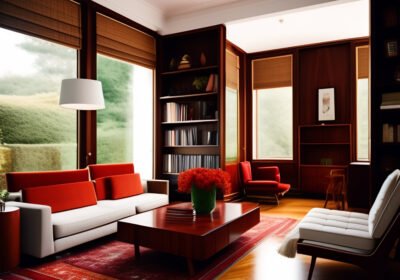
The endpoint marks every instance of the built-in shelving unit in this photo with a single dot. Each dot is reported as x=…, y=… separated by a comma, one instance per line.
x=385, y=90
x=189, y=102
x=322, y=148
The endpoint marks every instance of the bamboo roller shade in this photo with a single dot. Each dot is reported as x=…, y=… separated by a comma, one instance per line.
x=120, y=41
x=232, y=70
x=57, y=21
x=363, y=62
x=272, y=72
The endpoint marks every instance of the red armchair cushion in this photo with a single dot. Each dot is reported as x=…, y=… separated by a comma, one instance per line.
x=20, y=180
x=267, y=173
x=125, y=185
x=101, y=172
x=62, y=197
x=245, y=169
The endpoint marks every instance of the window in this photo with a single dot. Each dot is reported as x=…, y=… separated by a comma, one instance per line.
x=232, y=107
x=125, y=66
x=125, y=127
x=363, y=113
x=35, y=133
x=273, y=108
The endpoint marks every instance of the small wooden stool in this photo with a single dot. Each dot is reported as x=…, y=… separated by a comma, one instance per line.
x=337, y=190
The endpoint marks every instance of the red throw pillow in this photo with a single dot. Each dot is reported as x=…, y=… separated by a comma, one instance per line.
x=62, y=197
x=125, y=185
x=102, y=188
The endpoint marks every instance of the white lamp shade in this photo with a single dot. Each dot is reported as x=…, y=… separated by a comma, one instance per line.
x=81, y=94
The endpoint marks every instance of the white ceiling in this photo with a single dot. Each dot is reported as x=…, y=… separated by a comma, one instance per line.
x=254, y=25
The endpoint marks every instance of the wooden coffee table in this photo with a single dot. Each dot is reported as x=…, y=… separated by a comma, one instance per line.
x=194, y=239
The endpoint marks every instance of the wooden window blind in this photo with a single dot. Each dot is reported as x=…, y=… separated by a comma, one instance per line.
x=272, y=72
x=232, y=70
x=363, y=62
x=53, y=20
x=120, y=41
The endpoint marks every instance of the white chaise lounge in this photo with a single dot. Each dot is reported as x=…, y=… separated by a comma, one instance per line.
x=361, y=239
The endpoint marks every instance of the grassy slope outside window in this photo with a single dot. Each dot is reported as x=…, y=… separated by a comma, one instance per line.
x=35, y=132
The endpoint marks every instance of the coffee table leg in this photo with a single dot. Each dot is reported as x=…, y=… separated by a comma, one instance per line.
x=190, y=266
x=137, y=251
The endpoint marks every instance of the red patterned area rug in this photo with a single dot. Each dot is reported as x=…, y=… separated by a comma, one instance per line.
x=112, y=259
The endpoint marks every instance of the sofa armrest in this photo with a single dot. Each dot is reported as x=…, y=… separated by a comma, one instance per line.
x=15, y=196
x=158, y=186
x=36, y=229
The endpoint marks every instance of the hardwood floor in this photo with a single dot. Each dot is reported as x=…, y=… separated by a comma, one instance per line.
x=265, y=263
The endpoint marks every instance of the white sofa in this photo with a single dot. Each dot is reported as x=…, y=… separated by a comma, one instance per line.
x=44, y=233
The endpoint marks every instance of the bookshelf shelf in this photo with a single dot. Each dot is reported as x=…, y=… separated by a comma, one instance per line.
x=189, y=122
x=190, y=70
x=188, y=96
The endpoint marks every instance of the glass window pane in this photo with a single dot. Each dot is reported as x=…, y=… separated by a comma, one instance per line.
x=35, y=132
x=125, y=126
x=231, y=124
x=273, y=123
x=362, y=120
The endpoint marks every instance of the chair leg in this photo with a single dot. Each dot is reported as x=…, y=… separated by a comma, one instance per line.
x=277, y=199
x=312, y=265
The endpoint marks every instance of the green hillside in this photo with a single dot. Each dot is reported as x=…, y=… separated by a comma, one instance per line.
x=36, y=119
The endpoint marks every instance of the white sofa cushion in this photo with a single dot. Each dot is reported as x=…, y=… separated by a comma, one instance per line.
x=343, y=228
x=143, y=202
x=78, y=220
x=380, y=214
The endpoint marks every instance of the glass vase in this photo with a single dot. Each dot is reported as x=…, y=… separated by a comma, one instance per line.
x=203, y=200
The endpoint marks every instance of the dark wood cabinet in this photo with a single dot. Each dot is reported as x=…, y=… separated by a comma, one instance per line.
x=321, y=149
x=385, y=90
x=189, y=109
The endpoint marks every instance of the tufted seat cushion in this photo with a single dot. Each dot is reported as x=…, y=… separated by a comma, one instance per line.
x=334, y=227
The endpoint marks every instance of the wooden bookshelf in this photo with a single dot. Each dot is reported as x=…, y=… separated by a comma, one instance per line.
x=322, y=148
x=385, y=91
x=190, y=103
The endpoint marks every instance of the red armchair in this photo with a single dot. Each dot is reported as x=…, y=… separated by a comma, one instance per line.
x=266, y=181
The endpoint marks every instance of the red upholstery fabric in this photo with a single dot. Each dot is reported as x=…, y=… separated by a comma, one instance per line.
x=267, y=173
x=265, y=180
x=100, y=172
x=102, y=188
x=20, y=180
x=62, y=197
x=125, y=185
x=105, y=170
x=245, y=169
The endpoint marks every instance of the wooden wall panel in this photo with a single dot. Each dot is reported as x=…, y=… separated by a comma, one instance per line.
x=324, y=67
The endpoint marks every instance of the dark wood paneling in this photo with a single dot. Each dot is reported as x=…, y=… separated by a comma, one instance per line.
x=358, y=185
x=87, y=136
x=324, y=67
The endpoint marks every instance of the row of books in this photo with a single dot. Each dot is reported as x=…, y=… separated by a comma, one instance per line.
x=187, y=136
x=390, y=100
x=198, y=110
x=175, y=163
x=390, y=133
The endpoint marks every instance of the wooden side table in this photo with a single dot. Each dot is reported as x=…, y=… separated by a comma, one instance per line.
x=10, y=238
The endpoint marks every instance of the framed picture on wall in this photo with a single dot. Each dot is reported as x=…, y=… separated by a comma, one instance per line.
x=326, y=104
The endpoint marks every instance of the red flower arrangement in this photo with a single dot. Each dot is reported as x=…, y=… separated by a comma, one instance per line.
x=204, y=178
